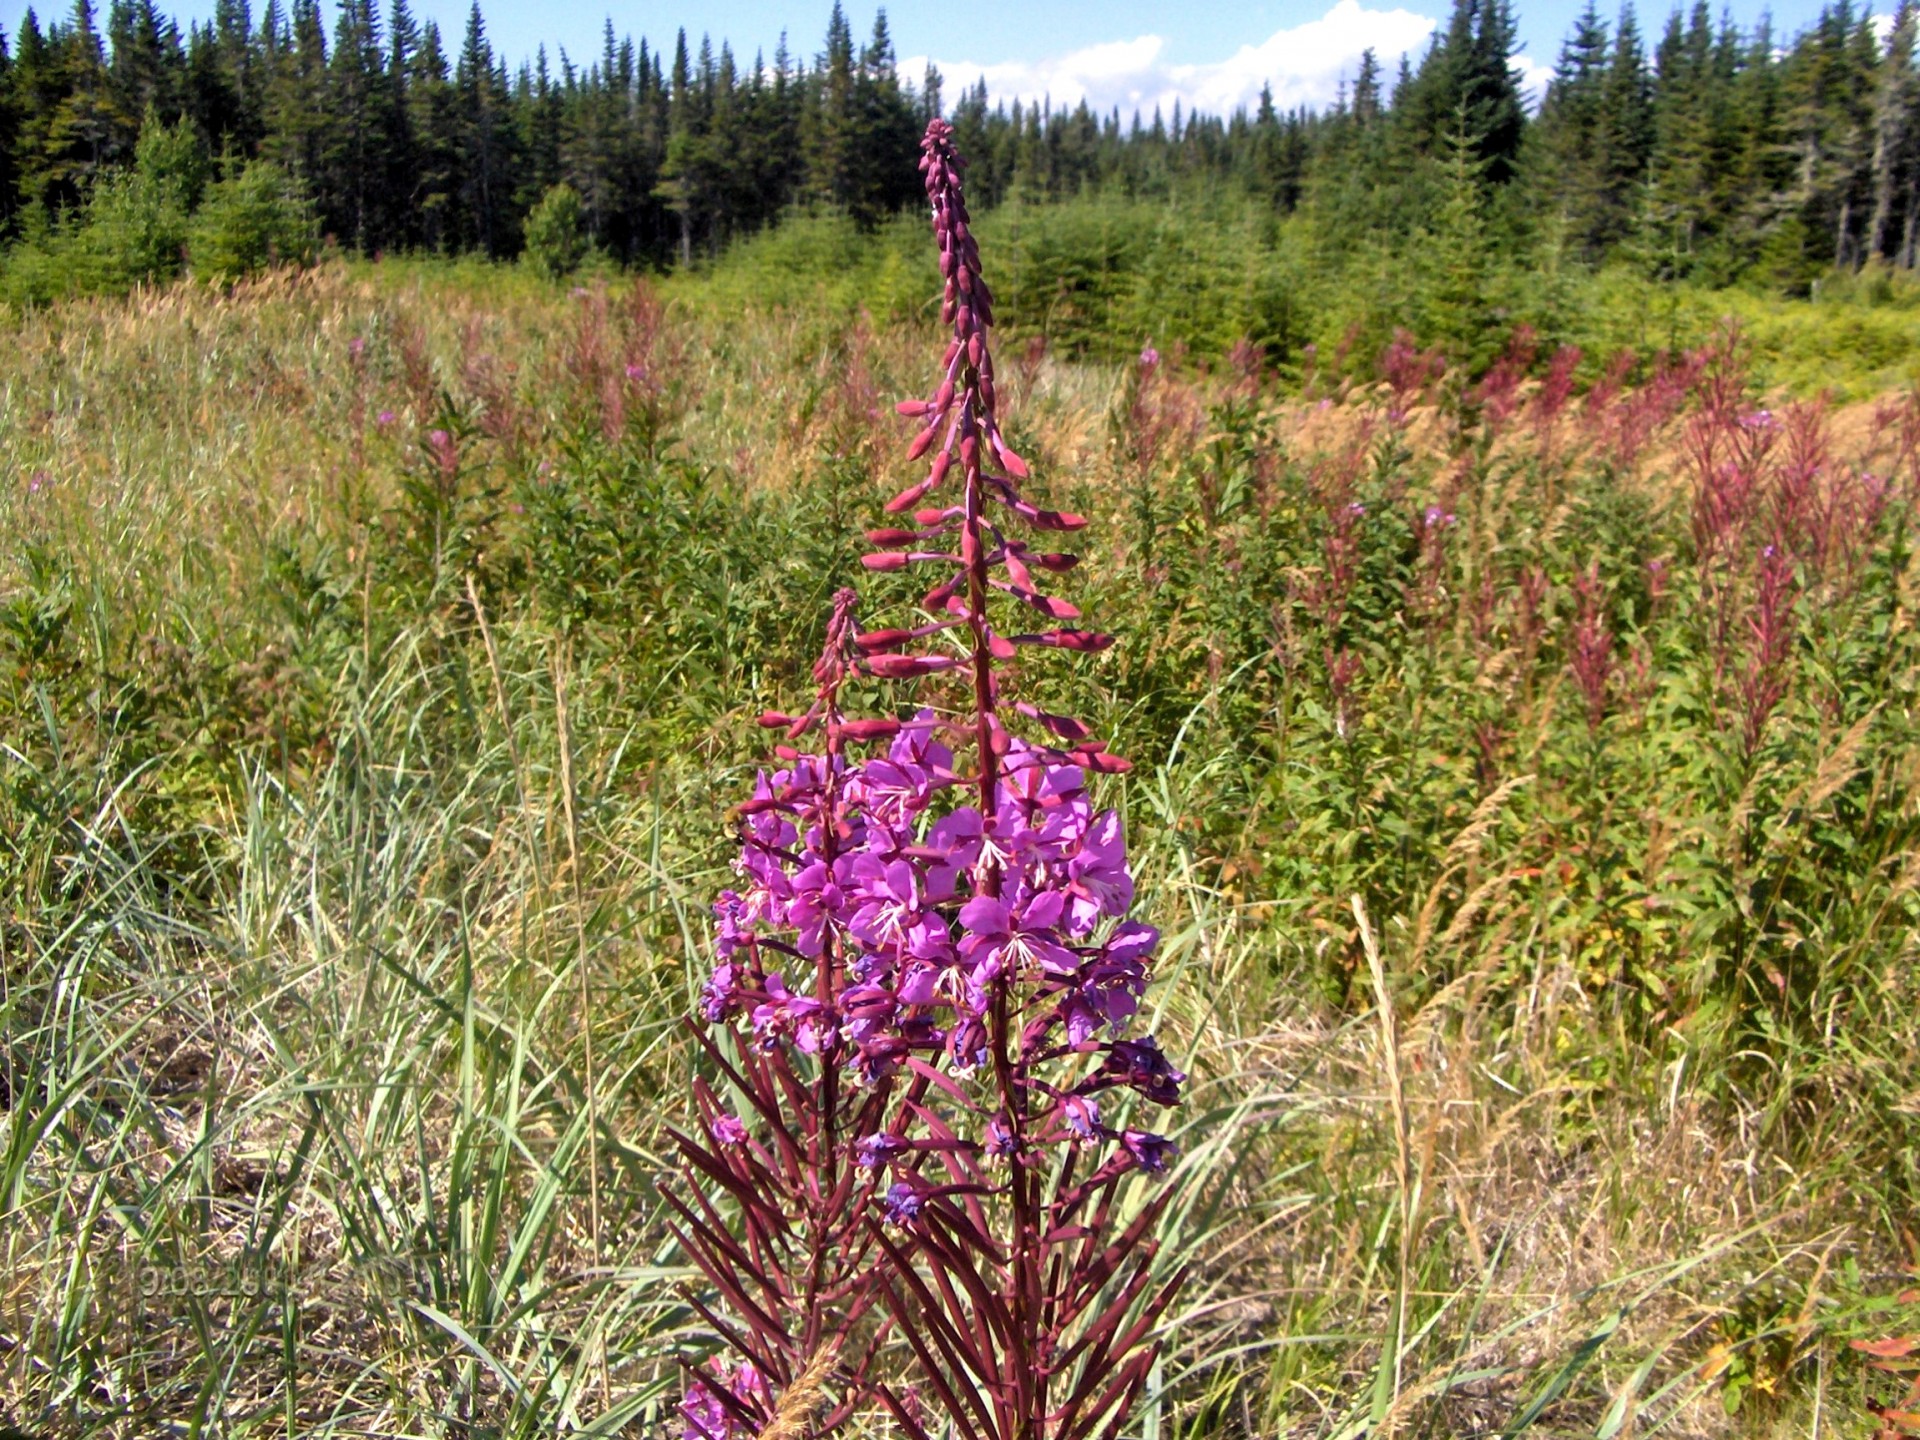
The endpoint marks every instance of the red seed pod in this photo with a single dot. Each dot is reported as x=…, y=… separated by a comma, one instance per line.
x=785, y=752
x=875, y=641
x=1050, y=606
x=909, y=495
x=941, y=462
x=1055, y=562
x=923, y=442
x=774, y=720
x=1065, y=726
x=1046, y=519
x=911, y=408
x=1101, y=763
x=1016, y=467
x=893, y=537
x=905, y=667
x=870, y=729
x=931, y=517
x=1082, y=640
x=885, y=560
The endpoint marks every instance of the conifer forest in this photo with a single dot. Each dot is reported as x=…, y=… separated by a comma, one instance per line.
x=1694, y=147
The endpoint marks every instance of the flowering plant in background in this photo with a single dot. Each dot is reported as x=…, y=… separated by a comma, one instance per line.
x=929, y=975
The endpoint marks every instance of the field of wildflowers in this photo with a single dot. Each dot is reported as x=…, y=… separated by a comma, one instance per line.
x=1520, y=824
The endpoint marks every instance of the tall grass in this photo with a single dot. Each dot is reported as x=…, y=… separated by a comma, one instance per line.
x=362, y=789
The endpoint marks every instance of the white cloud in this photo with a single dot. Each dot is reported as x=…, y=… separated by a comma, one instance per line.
x=1305, y=65
x=1533, y=77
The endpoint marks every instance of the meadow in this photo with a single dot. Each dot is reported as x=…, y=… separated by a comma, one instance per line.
x=1526, y=782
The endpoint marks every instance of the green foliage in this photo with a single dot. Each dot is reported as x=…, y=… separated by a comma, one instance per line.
x=132, y=230
x=1099, y=276
x=140, y=226
x=251, y=220
x=820, y=262
x=138, y=222
x=1455, y=305
x=556, y=238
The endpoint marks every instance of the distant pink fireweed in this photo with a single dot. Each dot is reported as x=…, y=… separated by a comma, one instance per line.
x=445, y=452
x=928, y=972
x=1592, y=659
x=1408, y=371
x=1498, y=393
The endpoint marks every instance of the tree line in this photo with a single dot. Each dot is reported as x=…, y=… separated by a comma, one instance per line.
x=402, y=142
x=1714, y=153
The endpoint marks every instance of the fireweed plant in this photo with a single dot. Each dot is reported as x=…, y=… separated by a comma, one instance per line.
x=928, y=975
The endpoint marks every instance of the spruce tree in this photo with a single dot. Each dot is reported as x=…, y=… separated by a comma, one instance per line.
x=484, y=153
x=433, y=122
x=9, y=138
x=85, y=133
x=355, y=161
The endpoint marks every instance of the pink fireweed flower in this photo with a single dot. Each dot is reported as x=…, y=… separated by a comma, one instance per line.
x=927, y=948
x=902, y=1203
x=1592, y=660
x=445, y=452
x=873, y=1151
x=706, y=1415
x=1149, y=1152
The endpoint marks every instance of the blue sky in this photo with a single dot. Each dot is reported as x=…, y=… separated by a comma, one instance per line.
x=1127, y=52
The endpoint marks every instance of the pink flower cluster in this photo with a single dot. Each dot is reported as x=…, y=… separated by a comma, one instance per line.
x=902, y=896
x=713, y=1406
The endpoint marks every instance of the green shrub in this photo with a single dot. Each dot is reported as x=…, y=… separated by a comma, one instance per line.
x=40, y=265
x=138, y=221
x=252, y=220
x=556, y=233
x=132, y=231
